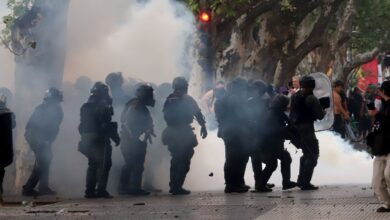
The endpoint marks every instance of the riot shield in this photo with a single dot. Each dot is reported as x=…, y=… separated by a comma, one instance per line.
x=6, y=145
x=324, y=89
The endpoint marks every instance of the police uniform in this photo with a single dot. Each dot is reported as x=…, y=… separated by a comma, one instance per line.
x=179, y=111
x=305, y=109
x=7, y=122
x=41, y=131
x=278, y=125
x=96, y=129
x=233, y=128
x=136, y=121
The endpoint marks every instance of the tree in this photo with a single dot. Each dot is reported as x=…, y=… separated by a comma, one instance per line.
x=269, y=39
x=36, y=33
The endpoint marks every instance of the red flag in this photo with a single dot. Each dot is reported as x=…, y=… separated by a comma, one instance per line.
x=369, y=76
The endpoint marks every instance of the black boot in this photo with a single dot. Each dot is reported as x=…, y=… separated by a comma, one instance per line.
x=236, y=189
x=30, y=193
x=104, y=194
x=289, y=185
x=263, y=189
x=180, y=191
x=46, y=191
x=309, y=186
x=139, y=192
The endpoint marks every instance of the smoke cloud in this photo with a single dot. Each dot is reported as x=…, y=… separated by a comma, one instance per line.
x=150, y=41
x=339, y=163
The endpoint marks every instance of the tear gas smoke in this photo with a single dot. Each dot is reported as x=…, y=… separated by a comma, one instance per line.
x=339, y=163
x=149, y=41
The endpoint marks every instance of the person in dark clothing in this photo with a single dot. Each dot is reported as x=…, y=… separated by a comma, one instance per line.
x=232, y=118
x=355, y=104
x=273, y=148
x=97, y=129
x=305, y=109
x=179, y=112
x=257, y=108
x=115, y=81
x=136, y=121
x=381, y=175
x=7, y=123
x=41, y=131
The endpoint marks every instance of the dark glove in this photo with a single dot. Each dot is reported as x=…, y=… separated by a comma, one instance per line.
x=114, y=133
x=148, y=136
x=117, y=140
x=325, y=102
x=203, y=132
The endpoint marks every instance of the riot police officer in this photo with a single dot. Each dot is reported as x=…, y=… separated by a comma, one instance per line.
x=7, y=122
x=233, y=128
x=115, y=82
x=276, y=132
x=179, y=112
x=305, y=109
x=258, y=104
x=97, y=129
x=41, y=131
x=136, y=122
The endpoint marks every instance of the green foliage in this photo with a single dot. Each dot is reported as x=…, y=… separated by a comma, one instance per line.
x=229, y=8
x=371, y=24
x=17, y=9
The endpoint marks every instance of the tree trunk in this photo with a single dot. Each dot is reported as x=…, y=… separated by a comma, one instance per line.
x=37, y=70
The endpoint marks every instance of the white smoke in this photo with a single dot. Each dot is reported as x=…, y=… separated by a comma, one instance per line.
x=339, y=163
x=144, y=40
x=149, y=42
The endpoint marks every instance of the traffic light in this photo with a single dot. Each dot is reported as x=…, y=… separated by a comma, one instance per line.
x=205, y=16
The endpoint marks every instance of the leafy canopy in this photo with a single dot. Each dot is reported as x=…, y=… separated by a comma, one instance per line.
x=18, y=9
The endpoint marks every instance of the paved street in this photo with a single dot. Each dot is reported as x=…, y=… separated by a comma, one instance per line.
x=331, y=202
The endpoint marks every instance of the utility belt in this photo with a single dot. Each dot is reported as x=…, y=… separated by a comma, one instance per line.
x=182, y=135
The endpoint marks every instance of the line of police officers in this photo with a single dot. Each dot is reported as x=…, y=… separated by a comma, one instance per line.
x=251, y=124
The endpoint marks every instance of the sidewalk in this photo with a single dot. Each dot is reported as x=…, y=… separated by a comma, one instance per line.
x=330, y=202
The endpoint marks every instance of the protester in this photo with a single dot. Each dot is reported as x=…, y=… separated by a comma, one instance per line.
x=379, y=142
x=341, y=114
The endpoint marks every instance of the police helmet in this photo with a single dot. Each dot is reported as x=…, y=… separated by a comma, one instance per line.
x=114, y=79
x=259, y=87
x=237, y=85
x=179, y=83
x=53, y=94
x=144, y=90
x=145, y=93
x=280, y=102
x=308, y=82
x=83, y=83
x=100, y=89
x=3, y=99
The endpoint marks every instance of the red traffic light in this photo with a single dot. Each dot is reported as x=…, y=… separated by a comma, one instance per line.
x=205, y=17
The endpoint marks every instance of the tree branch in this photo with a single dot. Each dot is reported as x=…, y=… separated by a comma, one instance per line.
x=361, y=59
x=316, y=37
x=252, y=11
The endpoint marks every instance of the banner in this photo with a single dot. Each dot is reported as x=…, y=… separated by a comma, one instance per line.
x=368, y=75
